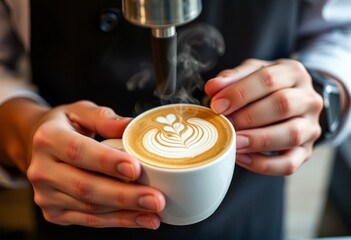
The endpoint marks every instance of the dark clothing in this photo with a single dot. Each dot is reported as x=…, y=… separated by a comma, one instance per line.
x=73, y=59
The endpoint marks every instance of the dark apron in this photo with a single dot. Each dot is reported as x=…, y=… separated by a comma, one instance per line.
x=74, y=59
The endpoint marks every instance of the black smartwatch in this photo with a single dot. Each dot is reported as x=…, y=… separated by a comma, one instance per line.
x=330, y=116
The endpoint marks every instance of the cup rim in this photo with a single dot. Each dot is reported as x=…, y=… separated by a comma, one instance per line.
x=231, y=145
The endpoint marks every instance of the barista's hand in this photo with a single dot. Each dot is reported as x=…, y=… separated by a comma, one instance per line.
x=273, y=107
x=75, y=177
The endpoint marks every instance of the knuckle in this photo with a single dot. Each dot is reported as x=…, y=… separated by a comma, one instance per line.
x=36, y=175
x=295, y=136
x=40, y=201
x=299, y=69
x=264, y=169
x=83, y=189
x=121, y=200
x=317, y=103
x=75, y=149
x=234, y=71
x=266, y=78
x=265, y=140
x=40, y=137
x=252, y=61
x=105, y=161
x=240, y=92
x=102, y=112
x=32, y=175
x=297, y=66
x=248, y=119
x=291, y=168
x=84, y=103
x=48, y=217
x=92, y=221
x=283, y=104
x=228, y=72
x=53, y=216
x=90, y=207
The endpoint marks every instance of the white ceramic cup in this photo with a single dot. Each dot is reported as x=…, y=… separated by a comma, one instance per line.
x=192, y=194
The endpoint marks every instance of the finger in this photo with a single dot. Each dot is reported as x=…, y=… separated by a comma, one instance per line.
x=283, y=164
x=87, y=187
x=229, y=76
x=47, y=197
x=101, y=120
x=254, y=87
x=282, y=136
x=102, y=190
x=277, y=107
x=125, y=219
x=54, y=199
x=84, y=152
x=47, y=187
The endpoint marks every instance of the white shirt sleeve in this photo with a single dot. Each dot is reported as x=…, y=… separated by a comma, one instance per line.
x=13, y=86
x=16, y=84
x=326, y=46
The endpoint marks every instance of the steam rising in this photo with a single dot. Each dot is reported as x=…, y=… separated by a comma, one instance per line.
x=199, y=47
x=140, y=79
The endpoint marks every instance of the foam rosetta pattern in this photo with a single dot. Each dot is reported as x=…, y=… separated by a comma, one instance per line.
x=179, y=137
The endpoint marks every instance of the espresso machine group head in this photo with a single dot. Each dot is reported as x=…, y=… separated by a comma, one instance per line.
x=162, y=16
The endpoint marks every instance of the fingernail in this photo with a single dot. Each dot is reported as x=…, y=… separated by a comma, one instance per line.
x=220, y=105
x=244, y=159
x=149, y=202
x=126, y=170
x=147, y=221
x=242, y=142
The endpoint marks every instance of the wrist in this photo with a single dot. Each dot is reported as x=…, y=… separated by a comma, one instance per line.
x=20, y=118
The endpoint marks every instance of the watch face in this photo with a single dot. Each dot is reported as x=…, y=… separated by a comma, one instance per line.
x=331, y=114
x=333, y=111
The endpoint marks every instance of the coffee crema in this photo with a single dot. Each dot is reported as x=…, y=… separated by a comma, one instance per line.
x=178, y=136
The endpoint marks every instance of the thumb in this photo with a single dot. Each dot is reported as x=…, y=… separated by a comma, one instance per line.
x=97, y=119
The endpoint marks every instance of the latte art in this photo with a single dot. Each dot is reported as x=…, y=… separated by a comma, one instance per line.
x=179, y=137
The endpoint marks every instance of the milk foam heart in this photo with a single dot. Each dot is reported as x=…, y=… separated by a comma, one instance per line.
x=179, y=137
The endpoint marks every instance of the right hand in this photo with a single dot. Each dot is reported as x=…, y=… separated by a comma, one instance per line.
x=77, y=180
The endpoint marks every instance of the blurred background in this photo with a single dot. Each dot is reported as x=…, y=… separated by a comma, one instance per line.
x=318, y=196
x=318, y=201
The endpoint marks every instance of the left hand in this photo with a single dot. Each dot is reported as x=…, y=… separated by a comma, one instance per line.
x=273, y=107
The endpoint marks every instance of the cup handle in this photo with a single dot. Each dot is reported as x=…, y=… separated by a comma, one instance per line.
x=114, y=143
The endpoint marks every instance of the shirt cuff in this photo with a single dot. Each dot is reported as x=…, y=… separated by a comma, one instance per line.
x=13, y=87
